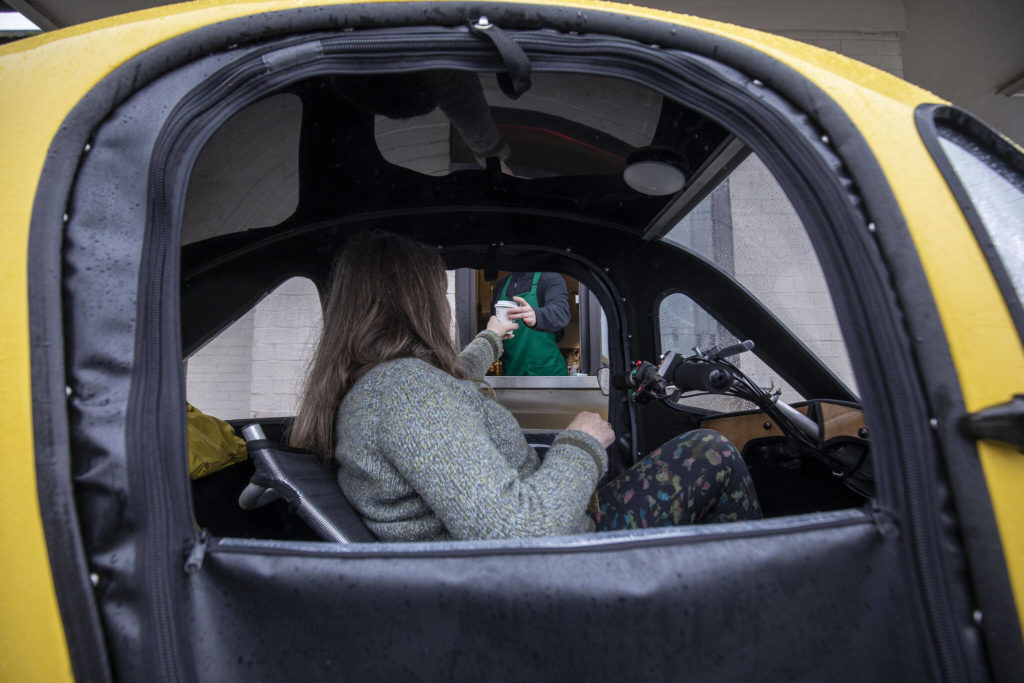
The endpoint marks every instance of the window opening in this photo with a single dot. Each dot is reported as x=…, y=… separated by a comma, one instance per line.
x=247, y=174
x=997, y=193
x=255, y=367
x=749, y=229
x=541, y=400
x=565, y=125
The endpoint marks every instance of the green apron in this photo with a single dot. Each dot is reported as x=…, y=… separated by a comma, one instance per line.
x=529, y=351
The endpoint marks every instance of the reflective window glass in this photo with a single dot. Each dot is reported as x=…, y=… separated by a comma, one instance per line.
x=997, y=194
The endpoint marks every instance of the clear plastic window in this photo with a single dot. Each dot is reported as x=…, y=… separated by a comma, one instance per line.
x=997, y=194
x=749, y=229
x=566, y=124
x=247, y=174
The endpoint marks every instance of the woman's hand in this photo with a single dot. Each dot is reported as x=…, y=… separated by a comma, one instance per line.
x=595, y=425
x=524, y=312
x=504, y=330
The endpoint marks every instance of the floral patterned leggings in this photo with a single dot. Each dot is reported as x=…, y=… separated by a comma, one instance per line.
x=696, y=478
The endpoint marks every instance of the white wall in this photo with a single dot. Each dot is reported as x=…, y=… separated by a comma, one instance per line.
x=286, y=329
x=218, y=377
x=255, y=367
x=773, y=257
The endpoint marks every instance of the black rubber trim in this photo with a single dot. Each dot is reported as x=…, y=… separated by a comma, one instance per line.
x=69, y=562
x=587, y=543
x=980, y=533
x=940, y=121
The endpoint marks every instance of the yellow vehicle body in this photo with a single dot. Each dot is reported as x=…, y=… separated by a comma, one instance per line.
x=44, y=77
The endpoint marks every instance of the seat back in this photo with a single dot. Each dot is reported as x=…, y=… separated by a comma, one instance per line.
x=309, y=486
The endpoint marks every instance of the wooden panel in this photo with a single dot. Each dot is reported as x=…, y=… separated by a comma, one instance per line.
x=741, y=428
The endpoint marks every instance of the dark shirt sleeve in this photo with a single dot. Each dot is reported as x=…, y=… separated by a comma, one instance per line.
x=553, y=297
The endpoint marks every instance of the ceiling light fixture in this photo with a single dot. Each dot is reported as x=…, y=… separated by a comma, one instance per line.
x=655, y=171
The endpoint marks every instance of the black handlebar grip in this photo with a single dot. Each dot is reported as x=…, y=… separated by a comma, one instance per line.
x=690, y=376
x=733, y=350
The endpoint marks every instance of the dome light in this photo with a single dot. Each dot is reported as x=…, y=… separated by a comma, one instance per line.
x=655, y=171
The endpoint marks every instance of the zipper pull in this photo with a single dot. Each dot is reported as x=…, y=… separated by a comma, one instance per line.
x=195, y=556
x=517, y=80
x=885, y=522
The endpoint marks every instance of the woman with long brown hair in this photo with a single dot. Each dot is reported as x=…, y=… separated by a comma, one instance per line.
x=423, y=454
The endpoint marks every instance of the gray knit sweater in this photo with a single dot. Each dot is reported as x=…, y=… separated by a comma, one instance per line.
x=425, y=456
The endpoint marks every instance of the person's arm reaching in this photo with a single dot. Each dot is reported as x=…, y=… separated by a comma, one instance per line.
x=552, y=312
x=554, y=303
x=486, y=347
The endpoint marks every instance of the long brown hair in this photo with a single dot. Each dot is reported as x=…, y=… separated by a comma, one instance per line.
x=386, y=300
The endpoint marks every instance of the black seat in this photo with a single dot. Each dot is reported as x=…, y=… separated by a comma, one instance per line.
x=541, y=441
x=310, y=487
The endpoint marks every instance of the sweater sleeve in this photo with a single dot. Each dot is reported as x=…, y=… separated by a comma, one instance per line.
x=438, y=442
x=480, y=354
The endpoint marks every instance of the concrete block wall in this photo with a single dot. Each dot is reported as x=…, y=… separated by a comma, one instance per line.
x=218, y=377
x=453, y=327
x=285, y=332
x=773, y=257
x=420, y=143
x=256, y=367
x=621, y=109
x=247, y=173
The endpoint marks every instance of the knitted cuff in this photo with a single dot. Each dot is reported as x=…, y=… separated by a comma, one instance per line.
x=588, y=443
x=495, y=341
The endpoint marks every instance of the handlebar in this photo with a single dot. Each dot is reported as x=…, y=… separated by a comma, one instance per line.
x=690, y=376
x=710, y=373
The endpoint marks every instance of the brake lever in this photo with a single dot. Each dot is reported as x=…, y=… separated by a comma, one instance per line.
x=731, y=350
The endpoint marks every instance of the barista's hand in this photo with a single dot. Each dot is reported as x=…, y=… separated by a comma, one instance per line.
x=504, y=330
x=524, y=312
x=595, y=425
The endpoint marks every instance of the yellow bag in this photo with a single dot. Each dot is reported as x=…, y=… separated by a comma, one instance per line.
x=212, y=444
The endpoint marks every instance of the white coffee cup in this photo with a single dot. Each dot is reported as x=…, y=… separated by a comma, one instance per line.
x=501, y=309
